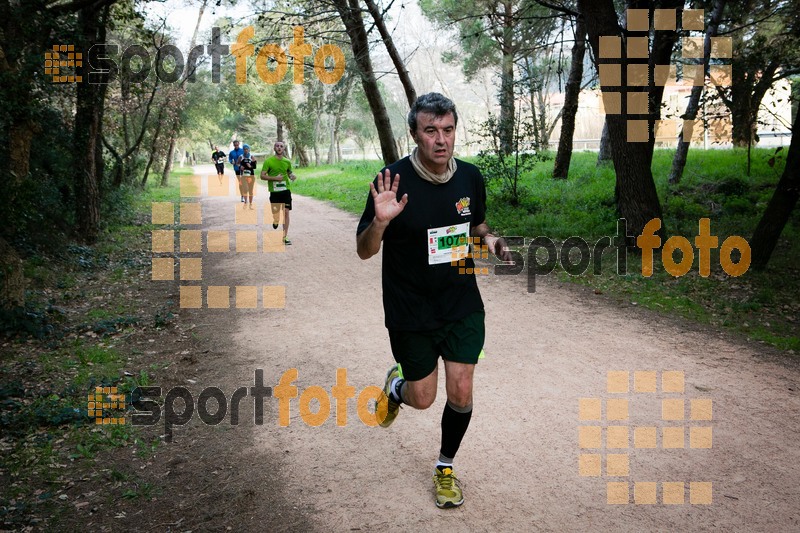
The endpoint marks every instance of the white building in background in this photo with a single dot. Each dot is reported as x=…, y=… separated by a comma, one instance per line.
x=774, y=119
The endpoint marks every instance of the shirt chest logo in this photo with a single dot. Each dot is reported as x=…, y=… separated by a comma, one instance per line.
x=462, y=206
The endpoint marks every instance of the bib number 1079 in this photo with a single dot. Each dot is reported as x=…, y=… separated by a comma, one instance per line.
x=449, y=241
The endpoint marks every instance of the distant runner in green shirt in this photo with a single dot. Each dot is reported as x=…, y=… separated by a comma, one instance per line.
x=277, y=170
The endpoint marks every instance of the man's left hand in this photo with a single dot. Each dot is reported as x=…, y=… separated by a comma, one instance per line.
x=498, y=246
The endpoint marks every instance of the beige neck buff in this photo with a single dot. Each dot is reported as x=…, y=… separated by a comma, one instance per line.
x=427, y=175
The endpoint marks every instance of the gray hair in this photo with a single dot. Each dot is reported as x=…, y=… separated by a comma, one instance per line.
x=435, y=103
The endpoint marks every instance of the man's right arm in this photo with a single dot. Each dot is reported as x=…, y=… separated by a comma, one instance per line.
x=384, y=199
x=368, y=242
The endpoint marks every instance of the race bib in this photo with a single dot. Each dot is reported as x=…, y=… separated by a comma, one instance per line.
x=442, y=241
x=278, y=186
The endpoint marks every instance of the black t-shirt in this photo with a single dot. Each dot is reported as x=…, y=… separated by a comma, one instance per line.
x=218, y=157
x=247, y=165
x=418, y=295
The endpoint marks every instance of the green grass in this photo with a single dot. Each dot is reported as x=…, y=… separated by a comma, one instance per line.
x=715, y=185
x=345, y=185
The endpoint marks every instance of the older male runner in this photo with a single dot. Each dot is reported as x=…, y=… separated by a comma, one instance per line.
x=431, y=310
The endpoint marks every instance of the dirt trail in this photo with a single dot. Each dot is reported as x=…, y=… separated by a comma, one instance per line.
x=520, y=458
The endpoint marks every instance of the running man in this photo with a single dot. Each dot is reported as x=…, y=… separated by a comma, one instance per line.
x=233, y=158
x=247, y=165
x=277, y=170
x=431, y=310
x=218, y=157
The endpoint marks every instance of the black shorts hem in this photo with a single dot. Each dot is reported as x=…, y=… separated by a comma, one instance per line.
x=281, y=197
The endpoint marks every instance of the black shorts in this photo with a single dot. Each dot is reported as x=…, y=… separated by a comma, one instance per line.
x=418, y=351
x=220, y=168
x=281, y=197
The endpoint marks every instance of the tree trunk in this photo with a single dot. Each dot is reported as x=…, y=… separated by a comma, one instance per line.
x=178, y=100
x=332, y=140
x=317, y=121
x=745, y=99
x=87, y=134
x=120, y=168
x=507, y=81
x=604, y=150
x=168, y=165
x=339, y=111
x=350, y=14
x=399, y=65
x=679, y=161
x=118, y=163
x=12, y=280
x=302, y=156
x=571, y=94
x=637, y=199
x=660, y=54
x=154, y=147
x=780, y=205
x=20, y=137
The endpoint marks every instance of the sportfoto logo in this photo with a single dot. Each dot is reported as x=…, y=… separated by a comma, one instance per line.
x=371, y=406
x=170, y=64
x=578, y=263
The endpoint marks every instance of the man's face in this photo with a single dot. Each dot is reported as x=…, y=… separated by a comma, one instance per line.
x=235, y=145
x=279, y=148
x=435, y=138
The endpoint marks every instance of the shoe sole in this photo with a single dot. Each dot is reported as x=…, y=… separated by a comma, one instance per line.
x=449, y=505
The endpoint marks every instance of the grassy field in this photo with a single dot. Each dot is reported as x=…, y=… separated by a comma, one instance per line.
x=715, y=185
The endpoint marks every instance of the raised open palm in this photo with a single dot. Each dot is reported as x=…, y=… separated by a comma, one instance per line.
x=385, y=197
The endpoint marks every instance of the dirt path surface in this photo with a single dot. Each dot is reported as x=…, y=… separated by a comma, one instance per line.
x=520, y=460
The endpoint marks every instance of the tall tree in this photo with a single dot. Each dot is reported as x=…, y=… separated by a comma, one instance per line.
x=397, y=61
x=337, y=106
x=493, y=32
x=89, y=105
x=351, y=15
x=692, y=106
x=175, y=123
x=780, y=206
x=571, y=93
x=784, y=199
x=604, y=150
x=765, y=51
x=637, y=199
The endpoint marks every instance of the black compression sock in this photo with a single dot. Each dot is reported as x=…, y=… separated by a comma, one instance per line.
x=455, y=422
